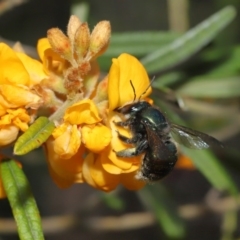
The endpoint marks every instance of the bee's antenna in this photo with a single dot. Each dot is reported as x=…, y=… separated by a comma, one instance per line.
x=150, y=84
x=134, y=92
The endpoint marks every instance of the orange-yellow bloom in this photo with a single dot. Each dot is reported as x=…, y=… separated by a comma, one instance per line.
x=19, y=74
x=96, y=137
x=65, y=86
x=124, y=69
x=88, y=125
x=67, y=140
x=64, y=171
x=105, y=170
x=86, y=119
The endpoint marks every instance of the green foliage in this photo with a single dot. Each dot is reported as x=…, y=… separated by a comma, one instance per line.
x=133, y=42
x=157, y=199
x=213, y=87
x=191, y=42
x=35, y=136
x=113, y=201
x=22, y=202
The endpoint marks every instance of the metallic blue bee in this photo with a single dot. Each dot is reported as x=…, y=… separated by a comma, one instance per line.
x=152, y=135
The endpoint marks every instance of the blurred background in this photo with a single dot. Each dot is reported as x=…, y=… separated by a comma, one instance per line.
x=197, y=84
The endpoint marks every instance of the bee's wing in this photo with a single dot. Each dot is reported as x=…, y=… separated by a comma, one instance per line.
x=191, y=138
x=158, y=148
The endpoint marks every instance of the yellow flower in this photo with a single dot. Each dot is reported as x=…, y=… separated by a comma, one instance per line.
x=120, y=91
x=84, y=143
x=12, y=70
x=64, y=171
x=80, y=130
x=96, y=137
x=67, y=140
x=19, y=74
x=89, y=126
x=65, y=86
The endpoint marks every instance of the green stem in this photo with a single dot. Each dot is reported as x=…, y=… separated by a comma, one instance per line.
x=60, y=112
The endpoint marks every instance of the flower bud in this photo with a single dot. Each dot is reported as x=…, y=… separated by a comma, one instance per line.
x=82, y=41
x=100, y=38
x=60, y=43
x=73, y=25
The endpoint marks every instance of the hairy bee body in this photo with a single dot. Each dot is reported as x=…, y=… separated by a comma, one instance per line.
x=152, y=135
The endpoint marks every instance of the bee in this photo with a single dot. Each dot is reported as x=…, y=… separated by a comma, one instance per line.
x=152, y=134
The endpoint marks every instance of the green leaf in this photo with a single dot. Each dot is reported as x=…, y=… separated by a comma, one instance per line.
x=190, y=43
x=158, y=200
x=35, y=136
x=167, y=79
x=228, y=64
x=136, y=43
x=23, y=205
x=211, y=87
x=212, y=169
x=113, y=201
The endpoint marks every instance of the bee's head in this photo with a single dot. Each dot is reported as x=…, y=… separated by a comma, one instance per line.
x=133, y=108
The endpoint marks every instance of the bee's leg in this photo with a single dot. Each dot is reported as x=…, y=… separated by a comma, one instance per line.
x=125, y=123
x=136, y=138
x=131, y=152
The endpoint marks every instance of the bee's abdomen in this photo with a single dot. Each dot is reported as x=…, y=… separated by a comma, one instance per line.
x=157, y=163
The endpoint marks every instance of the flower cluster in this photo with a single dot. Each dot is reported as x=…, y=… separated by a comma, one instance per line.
x=19, y=98
x=65, y=86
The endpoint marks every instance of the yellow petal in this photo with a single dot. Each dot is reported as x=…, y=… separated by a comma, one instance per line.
x=64, y=172
x=52, y=62
x=108, y=165
x=67, y=145
x=19, y=96
x=12, y=69
x=95, y=176
x=5, y=103
x=18, y=117
x=88, y=161
x=42, y=45
x=8, y=134
x=2, y=109
x=130, y=182
x=123, y=163
x=33, y=67
x=96, y=137
x=104, y=180
x=113, y=85
x=120, y=91
x=84, y=111
x=60, y=130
